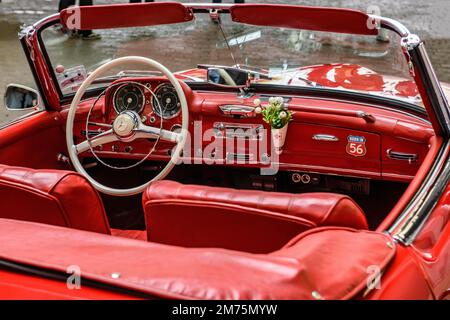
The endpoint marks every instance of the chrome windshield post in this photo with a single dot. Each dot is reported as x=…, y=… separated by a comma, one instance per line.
x=428, y=83
x=423, y=73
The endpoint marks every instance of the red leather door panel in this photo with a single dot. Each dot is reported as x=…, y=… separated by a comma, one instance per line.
x=394, y=166
x=34, y=142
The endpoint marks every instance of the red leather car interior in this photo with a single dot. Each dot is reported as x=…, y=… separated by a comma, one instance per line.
x=61, y=198
x=392, y=131
x=244, y=220
x=34, y=142
x=299, y=270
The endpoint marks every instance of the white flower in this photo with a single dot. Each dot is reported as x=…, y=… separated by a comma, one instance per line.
x=279, y=100
x=283, y=115
x=258, y=110
x=257, y=102
x=272, y=100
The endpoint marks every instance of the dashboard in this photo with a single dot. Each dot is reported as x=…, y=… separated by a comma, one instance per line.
x=327, y=136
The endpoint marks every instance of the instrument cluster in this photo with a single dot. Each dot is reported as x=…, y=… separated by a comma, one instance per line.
x=129, y=97
x=133, y=96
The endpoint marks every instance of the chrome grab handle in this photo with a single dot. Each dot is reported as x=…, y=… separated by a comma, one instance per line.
x=325, y=137
x=395, y=155
x=366, y=116
x=238, y=110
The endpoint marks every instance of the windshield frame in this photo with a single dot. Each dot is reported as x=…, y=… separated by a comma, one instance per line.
x=65, y=96
x=434, y=102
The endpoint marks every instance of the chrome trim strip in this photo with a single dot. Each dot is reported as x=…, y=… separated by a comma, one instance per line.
x=19, y=119
x=392, y=24
x=439, y=101
x=46, y=20
x=208, y=6
x=325, y=137
x=411, y=221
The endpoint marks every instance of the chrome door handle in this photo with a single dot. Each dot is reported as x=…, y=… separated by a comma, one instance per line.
x=325, y=137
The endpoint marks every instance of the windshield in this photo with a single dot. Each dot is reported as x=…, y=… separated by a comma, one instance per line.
x=369, y=64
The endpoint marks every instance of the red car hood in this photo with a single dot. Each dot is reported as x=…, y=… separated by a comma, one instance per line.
x=339, y=76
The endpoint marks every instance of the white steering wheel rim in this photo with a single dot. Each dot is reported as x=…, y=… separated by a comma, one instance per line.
x=176, y=154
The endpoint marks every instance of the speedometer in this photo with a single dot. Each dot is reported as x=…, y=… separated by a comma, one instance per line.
x=129, y=97
x=166, y=104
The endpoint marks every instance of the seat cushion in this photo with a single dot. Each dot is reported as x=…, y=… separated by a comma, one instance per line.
x=61, y=198
x=244, y=220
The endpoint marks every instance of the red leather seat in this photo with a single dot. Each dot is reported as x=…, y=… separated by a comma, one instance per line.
x=244, y=220
x=61, y=198
x=56, y=197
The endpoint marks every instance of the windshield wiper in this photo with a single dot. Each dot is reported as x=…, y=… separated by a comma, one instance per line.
x=215, y=17
x=307, y=81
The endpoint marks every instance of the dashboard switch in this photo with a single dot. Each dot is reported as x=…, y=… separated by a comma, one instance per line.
x=128, y=149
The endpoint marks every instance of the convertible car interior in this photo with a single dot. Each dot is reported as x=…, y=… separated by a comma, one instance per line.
x=357, y=146
x=318, y=183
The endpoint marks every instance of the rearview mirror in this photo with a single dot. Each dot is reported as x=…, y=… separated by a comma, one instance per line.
x=18, y=97
x=228, y=77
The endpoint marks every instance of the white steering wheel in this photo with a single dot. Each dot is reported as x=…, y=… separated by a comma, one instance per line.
x=127, y=126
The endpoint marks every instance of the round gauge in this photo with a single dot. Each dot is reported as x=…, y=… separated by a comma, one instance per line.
x=129, y=97
x=169, y=105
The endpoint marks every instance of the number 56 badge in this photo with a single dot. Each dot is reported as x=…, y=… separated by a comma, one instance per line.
x=356, y=146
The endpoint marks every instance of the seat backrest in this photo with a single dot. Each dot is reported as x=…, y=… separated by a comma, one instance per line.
x=244, y=220
x=56, y=197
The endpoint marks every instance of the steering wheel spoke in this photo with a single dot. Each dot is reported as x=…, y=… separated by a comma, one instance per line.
x=102, y=138
x=149, y=132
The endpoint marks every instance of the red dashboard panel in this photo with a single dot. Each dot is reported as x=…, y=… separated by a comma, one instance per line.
x=325, y=136
x=318, y=147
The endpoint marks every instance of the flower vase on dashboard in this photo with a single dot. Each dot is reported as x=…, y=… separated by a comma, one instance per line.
x=277, y=115
x=279, y=138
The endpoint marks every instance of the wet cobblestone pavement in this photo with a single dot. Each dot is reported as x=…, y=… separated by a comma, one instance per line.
x=428, y=19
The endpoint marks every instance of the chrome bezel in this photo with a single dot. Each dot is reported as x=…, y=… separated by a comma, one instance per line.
x=135, y=84
x=156, y=94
